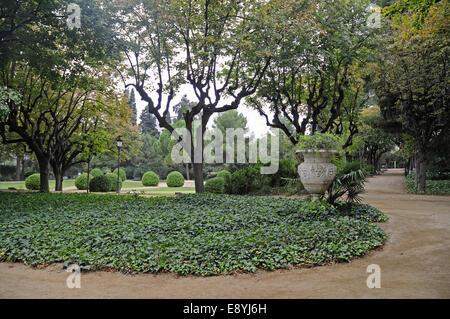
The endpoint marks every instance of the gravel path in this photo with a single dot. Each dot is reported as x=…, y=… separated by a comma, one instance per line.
x=414, y=262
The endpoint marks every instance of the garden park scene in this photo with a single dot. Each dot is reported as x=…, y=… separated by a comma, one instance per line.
x=224, y=149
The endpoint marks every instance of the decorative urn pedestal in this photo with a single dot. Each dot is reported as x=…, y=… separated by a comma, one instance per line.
x=316, y=172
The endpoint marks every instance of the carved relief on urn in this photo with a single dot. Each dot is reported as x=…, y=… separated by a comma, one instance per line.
x=316, y=172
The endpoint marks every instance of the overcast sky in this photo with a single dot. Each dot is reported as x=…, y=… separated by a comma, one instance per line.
x=255, y=122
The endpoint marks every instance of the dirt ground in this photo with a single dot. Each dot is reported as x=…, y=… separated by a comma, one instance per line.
x=414, y=263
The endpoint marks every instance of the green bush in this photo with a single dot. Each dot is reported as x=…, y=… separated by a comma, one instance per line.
x=226, y=175
x=100, y=184
x=81, y=181
x=106, y=170
x=215, y=185
x=33, y=182
x=287, y=169
x=113, y=181
x=249, y=180
x=95, y=172
x=123, y=175
x=175, y=179
x=150, y=179
x=432, y=187
x=239, y=183
x=318, y=141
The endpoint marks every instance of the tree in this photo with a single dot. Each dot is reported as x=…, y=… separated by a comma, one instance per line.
x=216, y=48
x=376, y=141
x=148, y=124
x=46, y=62
x=35, y=31
x=150, y=156
x=132, y=102
x=413, y=81
x=230, y=119
x=56, y=120
x=313, y=83
x=184, y=104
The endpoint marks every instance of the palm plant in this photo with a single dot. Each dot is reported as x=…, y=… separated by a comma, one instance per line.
x=349, y=181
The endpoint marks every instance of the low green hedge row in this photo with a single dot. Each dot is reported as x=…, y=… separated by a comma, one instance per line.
x=432, y=187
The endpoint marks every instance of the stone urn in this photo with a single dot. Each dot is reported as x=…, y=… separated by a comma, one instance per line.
x=316, y=172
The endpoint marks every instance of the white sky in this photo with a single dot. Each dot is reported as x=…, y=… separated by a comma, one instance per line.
x=255, y=122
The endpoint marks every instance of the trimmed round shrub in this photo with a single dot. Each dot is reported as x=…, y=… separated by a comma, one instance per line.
x=106, y=170
x=123, y=175
x=175, y=179
x=150, y=179
x=95, y=172
x=215, y=185
x=33, y=182
x=100, y=184
x=81, y=181
x=226, y=175
x=113, y=181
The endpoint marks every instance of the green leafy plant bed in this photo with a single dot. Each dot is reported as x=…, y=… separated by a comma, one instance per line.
x=203, y=234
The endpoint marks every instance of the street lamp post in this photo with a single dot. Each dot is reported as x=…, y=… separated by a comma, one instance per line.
x=119, y=146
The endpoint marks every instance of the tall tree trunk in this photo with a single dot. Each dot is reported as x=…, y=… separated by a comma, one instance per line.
x=43, y=171
x=88, y=175
x=198, y=176
x=197, y=163
x=187, y=171
x=408, y=163
x=58, y=182
x=17, y=168
x=58, y=172
x=22, y=168
x=421, y=171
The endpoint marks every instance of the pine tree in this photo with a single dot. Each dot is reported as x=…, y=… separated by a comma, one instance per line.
x=184, y=104
x=132, y=103
x=148, y=123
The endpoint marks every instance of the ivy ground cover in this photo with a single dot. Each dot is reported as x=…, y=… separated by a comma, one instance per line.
x=188, y=234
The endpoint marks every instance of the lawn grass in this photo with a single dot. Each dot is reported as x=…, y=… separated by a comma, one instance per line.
x=134, y=185
x=130, y=184
x=163, y=189
x=21, y=184
x=200, y=234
